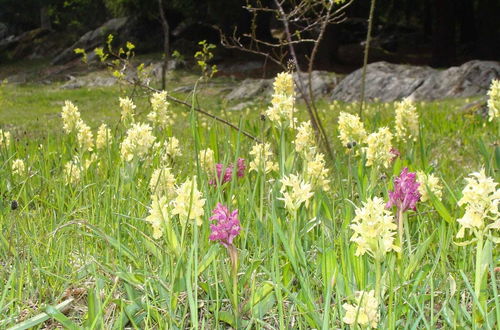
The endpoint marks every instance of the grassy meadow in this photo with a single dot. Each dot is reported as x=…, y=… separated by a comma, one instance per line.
x=85, y=253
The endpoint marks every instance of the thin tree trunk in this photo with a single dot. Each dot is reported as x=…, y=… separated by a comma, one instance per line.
x=365, y=58
x=166, y=44
x=45, y=18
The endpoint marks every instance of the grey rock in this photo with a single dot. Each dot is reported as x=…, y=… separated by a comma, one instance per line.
x=322, y=83
x=156, y=67
x=16, y=79
x=242, y=106
x=73, y=84
x=389, y=82
x=95, y=38
x=251, y=88
x=90, y=80
x=184, y=89
x=469, y=79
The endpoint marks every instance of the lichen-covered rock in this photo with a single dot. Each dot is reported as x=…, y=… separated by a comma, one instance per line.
x=389, y=82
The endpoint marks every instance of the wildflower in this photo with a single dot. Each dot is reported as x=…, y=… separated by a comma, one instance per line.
x=395, y=154
x=207, y=160
x=137, y=143
x=158, y=215
x=494, y=100
x=72, y=171
x=262, y=158
x=283, y=84
x=378, y=151
x=428, y=182
x=281, y=109
x=406, y=120
x=481, y=199
x=84, y=136
x=128, y=107
x=364, y=312
x=305, y=143
x=171, y=149
x=374, y=229
x=227, y=226
x=299, y=193
x=90, y=161
x=283, y=101
x=104, y=137
x=4, y=138
x=240, y=164
x=317, y=173
x=189, y=203
x=160, y=115
x=226, y=174
x=351, y=129
x=406, y=192
x=18, y=167
x=70, y=116
x=162, y=182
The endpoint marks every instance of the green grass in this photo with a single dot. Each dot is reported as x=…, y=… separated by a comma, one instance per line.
x=83, y=255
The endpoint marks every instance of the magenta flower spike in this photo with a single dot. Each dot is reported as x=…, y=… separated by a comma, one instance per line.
x=227, y=226
x=405, y=194
x=241, y=167
x=396, y=154
x=225, y=175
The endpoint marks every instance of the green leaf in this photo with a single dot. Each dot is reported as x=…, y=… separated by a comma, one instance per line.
x=208, y=259
x=328, y=266
x=127, y=315
x=40, y=318
x=61, y=318
x=259, y=295
x=440, y=208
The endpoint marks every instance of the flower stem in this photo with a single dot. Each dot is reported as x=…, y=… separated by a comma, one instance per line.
x=378, y=279
x=233, y=254
x=400, y=220
x=478, y=319
x=407, y=233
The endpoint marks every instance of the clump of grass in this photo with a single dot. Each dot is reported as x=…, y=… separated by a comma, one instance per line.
x=82, y=253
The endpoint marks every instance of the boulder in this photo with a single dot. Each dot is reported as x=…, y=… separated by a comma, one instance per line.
x=251, y=88
x=242, y=106
x=389, y=82
x=25, y=44
x=470, y=79
x=322, y=83
x=90, y=80
x=172, y=65
x=95, y=38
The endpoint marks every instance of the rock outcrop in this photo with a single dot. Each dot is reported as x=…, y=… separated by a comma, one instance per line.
x=95, y=38
x=322, y=83
x=389, y=82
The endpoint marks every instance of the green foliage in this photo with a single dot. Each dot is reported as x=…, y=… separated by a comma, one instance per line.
x=81, y=51
x=69, y=15
x=203, y=56
x=83, y=256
